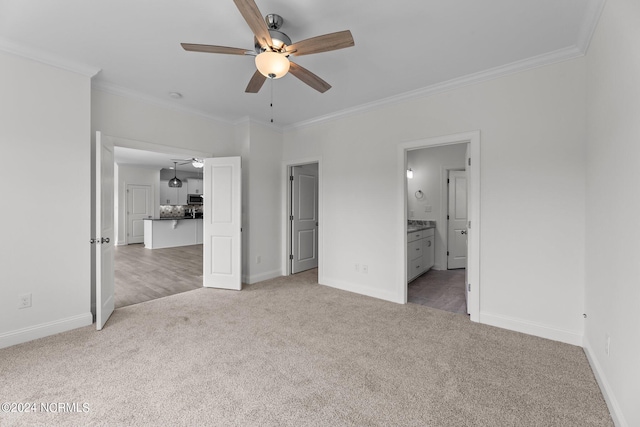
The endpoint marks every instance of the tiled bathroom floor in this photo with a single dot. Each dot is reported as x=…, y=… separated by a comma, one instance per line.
x=441, y=289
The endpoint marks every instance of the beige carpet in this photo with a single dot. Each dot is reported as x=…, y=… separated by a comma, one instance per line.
x=289, y=352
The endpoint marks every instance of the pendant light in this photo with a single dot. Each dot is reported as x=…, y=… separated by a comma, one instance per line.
x=175, y=182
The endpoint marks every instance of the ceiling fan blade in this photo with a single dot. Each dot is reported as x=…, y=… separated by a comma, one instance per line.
x=256, y=22
x=325, y=43
x=256, y=82
x=309, y=78
x=213, y=49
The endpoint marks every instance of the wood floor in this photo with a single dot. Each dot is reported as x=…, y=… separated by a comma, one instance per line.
x=441, y=289
x=146, y=274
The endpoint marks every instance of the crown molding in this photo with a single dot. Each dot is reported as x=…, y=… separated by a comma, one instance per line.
x=589, y=24
x=493, y=73
x=47, y=58
x=129, y=93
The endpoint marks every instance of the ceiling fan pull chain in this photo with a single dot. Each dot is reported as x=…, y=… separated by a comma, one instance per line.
x=271, y=104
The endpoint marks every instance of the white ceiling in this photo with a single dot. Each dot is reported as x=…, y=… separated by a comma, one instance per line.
x=151, y=160
x=401, y=47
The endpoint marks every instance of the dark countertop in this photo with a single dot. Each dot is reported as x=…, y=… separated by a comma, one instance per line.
x=166, y=219
x=419, y=225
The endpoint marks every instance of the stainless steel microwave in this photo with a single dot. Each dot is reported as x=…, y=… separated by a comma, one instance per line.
x=194, y=199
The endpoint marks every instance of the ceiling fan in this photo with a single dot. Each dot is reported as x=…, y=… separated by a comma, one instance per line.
x=273, y=48
x=195, y=162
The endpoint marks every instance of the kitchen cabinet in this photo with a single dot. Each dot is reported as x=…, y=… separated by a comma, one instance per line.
x=173, y=196
x=420, y=252
x=194, y=186
x=182, y=194
x=168, y=195
x=172, y=232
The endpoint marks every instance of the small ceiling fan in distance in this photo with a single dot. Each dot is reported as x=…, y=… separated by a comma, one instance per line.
x=195, y=162
x=273, y=48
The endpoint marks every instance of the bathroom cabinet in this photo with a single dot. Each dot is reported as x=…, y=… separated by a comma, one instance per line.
x=420, y=252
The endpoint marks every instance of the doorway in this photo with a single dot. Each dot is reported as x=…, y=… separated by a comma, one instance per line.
x=132, y=262
x=139, y=206
x=302, y=235
x=472, y=164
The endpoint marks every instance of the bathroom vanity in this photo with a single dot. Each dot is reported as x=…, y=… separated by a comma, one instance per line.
x=420, y=248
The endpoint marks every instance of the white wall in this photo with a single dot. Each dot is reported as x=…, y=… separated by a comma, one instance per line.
x=265, y=203
x=429, y=165
x=532, y=193
x=128, y=118
x=613, y=199
x=138, y=176
x=44, y=145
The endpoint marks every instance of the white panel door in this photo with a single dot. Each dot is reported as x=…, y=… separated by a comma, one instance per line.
x=304, y=218
x=139, y=207
x=104, y=229
x=222, y=223
x=467, y=287
x=457, y=227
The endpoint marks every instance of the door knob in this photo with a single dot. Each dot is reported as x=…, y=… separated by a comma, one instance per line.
x=105, y=240
x=463, y=232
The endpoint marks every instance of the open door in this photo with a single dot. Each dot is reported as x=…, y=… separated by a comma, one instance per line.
x=104, y=239
x=222, y=223
x=457, y=220
x=304, y=217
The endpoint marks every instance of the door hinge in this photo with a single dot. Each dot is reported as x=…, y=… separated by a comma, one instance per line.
x=469, y=226
x=127, y=190
x=290, y=217
x=291, y=178
x=291, y=257
x=469, y=161
x=447, y=217
x=469, y=287
x=448, y=255
x=447, y=180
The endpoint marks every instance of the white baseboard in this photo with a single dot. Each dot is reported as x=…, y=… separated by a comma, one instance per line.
x=607, y=392
x=362, y=290
x=532, y=328
x=255, y=278
x=42, y=330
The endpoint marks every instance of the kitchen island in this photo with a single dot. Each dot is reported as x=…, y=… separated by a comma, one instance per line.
x=172, y=232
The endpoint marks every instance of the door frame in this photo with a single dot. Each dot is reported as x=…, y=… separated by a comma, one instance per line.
x=152, y=201
x=286, y=203
x=292, y=185
x=127, y=143
x=444, y=200
x=473, y=210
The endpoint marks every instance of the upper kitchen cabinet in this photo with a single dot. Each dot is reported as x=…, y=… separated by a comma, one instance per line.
x=194, y=186
x=168, y=195
x=173, y=196
x=182, y=194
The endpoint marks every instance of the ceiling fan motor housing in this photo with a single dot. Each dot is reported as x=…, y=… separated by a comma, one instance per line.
x=274, y=21
x=280, y=40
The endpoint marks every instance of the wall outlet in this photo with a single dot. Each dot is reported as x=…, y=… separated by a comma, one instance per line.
x=258, y=259
x=365, y=268
x=607, y=343
x=24, y=301
x=427, y=208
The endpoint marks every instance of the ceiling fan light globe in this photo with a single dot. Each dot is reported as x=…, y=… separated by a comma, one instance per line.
x=272, y=65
